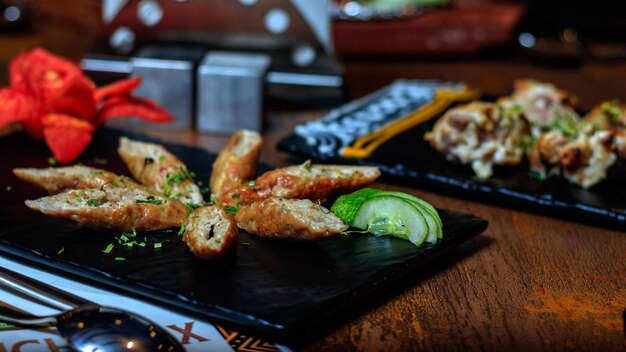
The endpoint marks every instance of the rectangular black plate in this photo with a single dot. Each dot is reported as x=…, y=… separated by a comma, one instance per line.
x=275, y=286
x=409, y=158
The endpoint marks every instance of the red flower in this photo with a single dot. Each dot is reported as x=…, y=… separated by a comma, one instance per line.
x=53, y=100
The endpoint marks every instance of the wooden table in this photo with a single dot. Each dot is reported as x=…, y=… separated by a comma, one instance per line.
x=530, y=282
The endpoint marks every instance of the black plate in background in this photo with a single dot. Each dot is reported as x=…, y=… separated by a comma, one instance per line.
x=409, y=158
x=278, y=287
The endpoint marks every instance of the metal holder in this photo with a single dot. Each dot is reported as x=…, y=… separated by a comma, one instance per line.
x=230, y=91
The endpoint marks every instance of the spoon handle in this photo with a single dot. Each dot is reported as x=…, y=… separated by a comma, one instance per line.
x=11, y=314
x=40, y=291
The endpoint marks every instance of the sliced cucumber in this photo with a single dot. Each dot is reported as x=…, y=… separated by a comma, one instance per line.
x=425, y=206
x=390, y=213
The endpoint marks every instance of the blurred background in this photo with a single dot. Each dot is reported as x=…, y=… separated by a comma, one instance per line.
x=216, y=55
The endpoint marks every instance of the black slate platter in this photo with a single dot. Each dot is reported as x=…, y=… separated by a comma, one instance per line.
x=277, y=287
x=407, y=157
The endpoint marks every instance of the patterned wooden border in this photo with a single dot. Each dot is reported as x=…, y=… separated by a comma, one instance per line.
x=242, y=342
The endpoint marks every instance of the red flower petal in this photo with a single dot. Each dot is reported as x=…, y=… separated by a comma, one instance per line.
x=126, y=106
x=72, y=96
x=56, y=84
x=14, y=106
x=123, y=87
x=30, y=69
x=66, y=136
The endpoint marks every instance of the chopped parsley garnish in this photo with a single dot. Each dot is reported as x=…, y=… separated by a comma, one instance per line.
x=233, y=209
x=162, y=157
x=150, y=200
x=306, y=165
x=79, y=199
x=100, y=161
x=508, y=111
x=52, y=161
x=541, y=176
x=93, y=202
x=251, y=183
x=191, y=207
x=98, y=172
x=61, y=251
x=129, y=239
x=126, y=236
x=612, y=108
x=108, y=249
x=182, y=228
x=204, y=190
x=235, y=195
x=176, y=179
x=157, y=245
x=119, y=259
x=213, y=199
x=134, y=243
x=569, y=124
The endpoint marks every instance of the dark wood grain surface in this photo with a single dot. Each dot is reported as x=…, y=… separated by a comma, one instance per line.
x=530, y=282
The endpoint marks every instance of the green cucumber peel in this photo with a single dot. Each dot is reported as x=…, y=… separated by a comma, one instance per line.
x=390, y=213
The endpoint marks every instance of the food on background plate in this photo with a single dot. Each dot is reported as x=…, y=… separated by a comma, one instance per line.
x=390, y=213
x=58, y=179
x=540, y=103
x=481, y=134
x=54, y=101
x=317, y=182
x=236, y=164
x=210, y=232
x=556, y=141
x=299, y=219
x=125, y=209
x=154, y=166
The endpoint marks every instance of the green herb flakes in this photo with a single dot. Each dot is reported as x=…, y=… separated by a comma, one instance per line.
x=233, y=209
x=251, y=183
x=93, y=202
x=306, y=165
x=108, y=249
x=79, y=199
x=61, y=251
x=119, y=259
x=182, y=228
x=150, y=200
x=98, y=172
x=569, y=124
x=157, y=245
x=541, y=176
x=191, y=207
x=52, y=161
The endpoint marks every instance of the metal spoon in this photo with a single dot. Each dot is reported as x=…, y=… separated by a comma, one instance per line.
x=90, y=327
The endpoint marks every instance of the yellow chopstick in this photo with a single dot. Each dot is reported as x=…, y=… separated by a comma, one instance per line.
x=364, y=146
